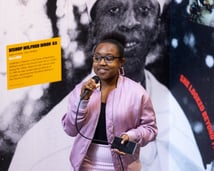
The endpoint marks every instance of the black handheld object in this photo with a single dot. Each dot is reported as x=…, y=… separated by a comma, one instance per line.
x=86, y=91
x=129, y=147
x=96, y=79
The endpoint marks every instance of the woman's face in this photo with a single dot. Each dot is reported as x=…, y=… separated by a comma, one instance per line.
x=107, y=70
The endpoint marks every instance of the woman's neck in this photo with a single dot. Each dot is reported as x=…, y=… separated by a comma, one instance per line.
x=112, y=82
x=107, y=87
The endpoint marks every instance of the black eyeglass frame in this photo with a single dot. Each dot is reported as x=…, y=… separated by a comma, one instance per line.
x=107, y=58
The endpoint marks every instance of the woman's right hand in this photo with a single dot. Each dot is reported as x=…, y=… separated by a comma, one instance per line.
x=88, y=86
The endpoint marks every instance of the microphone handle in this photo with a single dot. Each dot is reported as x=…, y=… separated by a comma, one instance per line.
x=86, y=91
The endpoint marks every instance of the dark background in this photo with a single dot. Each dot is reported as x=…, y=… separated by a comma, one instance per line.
x=190, y=61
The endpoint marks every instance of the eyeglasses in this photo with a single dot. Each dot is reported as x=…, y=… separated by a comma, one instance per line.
x=108, y=58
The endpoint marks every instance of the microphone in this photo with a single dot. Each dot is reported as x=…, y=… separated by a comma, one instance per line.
x=86, y=91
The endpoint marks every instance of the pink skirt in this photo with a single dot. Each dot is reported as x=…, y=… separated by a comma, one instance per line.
x=98, y=158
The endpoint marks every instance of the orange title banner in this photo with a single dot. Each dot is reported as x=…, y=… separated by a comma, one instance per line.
x=34, y=63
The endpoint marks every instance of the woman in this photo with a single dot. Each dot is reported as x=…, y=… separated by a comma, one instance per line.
x=116, y=107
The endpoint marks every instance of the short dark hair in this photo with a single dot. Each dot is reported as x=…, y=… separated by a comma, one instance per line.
x=115, y=38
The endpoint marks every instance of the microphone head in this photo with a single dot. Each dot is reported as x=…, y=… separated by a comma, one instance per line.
x=96, y=79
